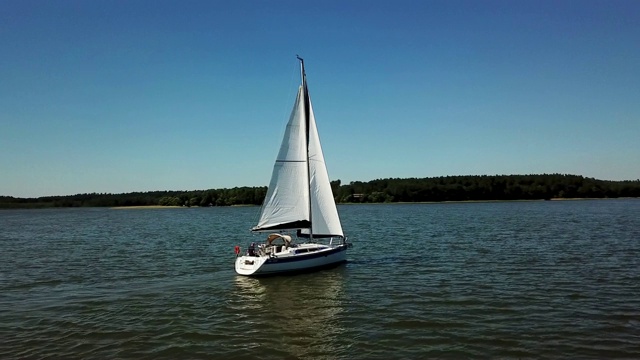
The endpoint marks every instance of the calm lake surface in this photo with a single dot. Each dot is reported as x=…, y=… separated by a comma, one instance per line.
x=547, y=279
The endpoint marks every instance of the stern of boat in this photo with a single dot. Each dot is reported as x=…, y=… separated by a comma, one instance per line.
x=249, y=265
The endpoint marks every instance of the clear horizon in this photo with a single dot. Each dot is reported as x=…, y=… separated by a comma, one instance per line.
x=120, y=97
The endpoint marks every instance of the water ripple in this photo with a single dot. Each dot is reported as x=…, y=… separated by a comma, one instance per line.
x=495, y=280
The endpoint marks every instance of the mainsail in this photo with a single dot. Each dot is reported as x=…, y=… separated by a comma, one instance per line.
x=299, y=194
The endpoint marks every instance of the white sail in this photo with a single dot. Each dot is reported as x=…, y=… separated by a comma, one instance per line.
x=325, y=220
x=286, y=205
x=300, y=183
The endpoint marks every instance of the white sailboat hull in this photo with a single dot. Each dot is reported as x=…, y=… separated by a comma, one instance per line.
x=272, y=265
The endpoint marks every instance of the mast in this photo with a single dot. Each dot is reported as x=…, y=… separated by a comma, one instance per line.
x=307, y=106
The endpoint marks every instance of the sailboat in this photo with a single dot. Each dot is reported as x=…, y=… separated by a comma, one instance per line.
x=299, y=212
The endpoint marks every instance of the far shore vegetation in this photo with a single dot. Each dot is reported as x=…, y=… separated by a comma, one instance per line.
x=434, y=189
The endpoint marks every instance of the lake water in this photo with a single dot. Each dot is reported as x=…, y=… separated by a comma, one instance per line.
x=547, y=279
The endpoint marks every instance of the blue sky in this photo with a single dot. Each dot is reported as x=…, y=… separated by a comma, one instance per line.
x=123, y=96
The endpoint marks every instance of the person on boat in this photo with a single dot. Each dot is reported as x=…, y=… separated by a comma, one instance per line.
x=252, y=249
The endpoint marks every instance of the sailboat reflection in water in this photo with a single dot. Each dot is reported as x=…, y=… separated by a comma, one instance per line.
x=307, y=313
x=299, y=203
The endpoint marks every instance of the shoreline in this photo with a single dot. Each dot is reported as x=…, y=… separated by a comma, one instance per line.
x=146, y=207
x=153, y=207
x=480, y=201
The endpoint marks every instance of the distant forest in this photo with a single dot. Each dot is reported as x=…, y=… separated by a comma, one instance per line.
x=434, y=189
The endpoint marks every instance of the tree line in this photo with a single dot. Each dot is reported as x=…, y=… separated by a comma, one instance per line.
x=483, y=187
x=212, y=197
x=433, y=189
